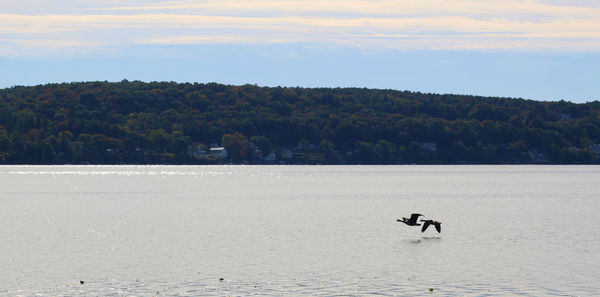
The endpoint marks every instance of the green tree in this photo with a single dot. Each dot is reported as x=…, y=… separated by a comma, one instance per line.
x=263, y=143
x=385, y=152
x=236, y=145
x=328, y=149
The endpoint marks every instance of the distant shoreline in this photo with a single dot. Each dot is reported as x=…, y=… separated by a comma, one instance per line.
x=210, y=124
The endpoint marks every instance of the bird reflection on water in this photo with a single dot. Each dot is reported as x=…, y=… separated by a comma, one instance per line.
x=424, y=239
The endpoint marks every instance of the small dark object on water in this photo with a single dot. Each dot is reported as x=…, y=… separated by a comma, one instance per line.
x=221, y=279
x=82, y=282
x=430, y=289
x=412, y=221
x=438, y=225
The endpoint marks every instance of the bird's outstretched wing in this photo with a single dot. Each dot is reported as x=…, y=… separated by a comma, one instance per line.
x=438, y=227
x=414, y=217
x=425, y=225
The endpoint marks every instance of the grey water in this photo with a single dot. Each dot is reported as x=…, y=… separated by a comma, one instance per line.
x=299, y=231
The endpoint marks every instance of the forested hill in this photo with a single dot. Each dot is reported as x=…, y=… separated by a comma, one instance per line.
x=171, y=123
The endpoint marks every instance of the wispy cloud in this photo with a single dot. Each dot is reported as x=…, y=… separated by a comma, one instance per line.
x=402, y=24
x=458, y=7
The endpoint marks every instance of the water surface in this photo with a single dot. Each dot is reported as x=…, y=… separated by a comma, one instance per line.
x=298, y=230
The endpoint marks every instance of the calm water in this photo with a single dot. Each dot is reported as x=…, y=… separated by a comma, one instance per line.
x=299, y=230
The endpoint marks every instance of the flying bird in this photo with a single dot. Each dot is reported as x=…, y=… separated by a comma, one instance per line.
x=426, y=223
x=412, y=221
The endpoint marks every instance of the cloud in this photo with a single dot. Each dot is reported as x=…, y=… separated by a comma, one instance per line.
x=400, y=24
x=477, y=8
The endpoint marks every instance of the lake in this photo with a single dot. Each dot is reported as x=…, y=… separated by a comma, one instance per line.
x=299, y=231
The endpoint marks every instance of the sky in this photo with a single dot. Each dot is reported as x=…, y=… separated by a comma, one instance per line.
x=532, y=49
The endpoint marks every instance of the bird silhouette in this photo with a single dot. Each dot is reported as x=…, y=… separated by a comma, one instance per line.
x=426, y=223
x=412, y=221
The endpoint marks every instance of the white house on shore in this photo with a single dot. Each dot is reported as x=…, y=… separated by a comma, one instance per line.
x=429, y=146
x=198, y=152
x=219, y=152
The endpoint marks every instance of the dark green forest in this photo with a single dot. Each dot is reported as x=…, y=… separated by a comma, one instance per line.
x=132, y=122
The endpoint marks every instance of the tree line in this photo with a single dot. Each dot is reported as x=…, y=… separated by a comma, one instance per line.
x=133, y=122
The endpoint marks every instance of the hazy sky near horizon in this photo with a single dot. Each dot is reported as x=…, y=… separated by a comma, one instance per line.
x=536, y=49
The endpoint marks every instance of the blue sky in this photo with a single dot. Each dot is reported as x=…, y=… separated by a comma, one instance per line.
x=542, y=50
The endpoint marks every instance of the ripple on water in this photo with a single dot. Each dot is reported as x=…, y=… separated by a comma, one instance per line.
x=304, y=231
x=287, y=287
